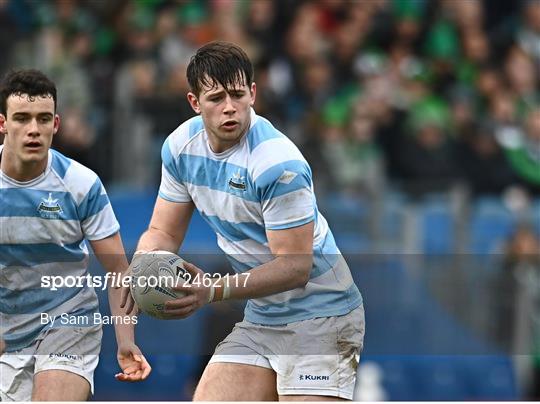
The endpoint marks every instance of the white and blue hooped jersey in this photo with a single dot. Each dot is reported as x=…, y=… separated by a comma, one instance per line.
x=43, y=225
x=261, y=183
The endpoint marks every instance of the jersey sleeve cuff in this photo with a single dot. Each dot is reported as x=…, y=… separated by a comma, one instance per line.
x=103, y=234
x=290, y=225
x=172, y=199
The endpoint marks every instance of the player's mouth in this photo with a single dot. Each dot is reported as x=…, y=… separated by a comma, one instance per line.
x=33, y=146
x=230, y=125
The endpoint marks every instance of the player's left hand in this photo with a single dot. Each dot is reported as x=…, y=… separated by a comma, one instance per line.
x=126, y=299
x=127, y=302
x=196, y=295
x=134, y=366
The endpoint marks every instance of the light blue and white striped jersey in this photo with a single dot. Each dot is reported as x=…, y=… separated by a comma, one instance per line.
x=43, y=224
x=261, y=183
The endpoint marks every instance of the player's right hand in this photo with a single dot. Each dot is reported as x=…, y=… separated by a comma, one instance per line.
x=2, y=346
x=134, y=365
x=195, y=297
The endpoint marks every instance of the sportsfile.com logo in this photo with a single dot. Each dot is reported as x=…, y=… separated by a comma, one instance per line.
x=313, y=377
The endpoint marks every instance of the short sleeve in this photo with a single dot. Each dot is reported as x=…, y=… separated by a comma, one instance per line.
x=286, y=195
x=96, y=214
x=172, y=188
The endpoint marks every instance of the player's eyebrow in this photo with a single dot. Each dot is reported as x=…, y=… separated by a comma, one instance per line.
x=24, y=114
x=221, y=92
x=209, y=93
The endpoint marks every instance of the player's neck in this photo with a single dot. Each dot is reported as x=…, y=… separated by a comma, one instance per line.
x=21, y=171
x=219, y=146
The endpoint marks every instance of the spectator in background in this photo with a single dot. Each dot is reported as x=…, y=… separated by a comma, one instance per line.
x=316, y=85
x=528, y=33
x=261, y=24
x=408, y=23
x=442, y=49
x=174, y=48
x=524, y=157
x=488, y=83
x=463, y=110
x=523, y=79
x=466, y=15
x=476, y=53
x=427, y=160
x=347, y=39
x=352, y=156
x=268, y=102
x=483, y=165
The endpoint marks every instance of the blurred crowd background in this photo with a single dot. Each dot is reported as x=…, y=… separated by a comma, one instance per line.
x=417, y=93
x=420, y=119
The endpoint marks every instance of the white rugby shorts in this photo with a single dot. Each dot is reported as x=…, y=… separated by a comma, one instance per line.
x=311, y=357
x=74, y=349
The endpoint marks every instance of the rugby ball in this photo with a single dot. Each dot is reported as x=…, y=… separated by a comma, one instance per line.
x=153, y=276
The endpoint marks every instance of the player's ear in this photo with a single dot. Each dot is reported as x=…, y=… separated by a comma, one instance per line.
x=253, y=91
x=194, y=102
x=3, y=129
x=56, y=124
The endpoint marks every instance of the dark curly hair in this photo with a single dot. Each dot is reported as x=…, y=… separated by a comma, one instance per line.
x=219, y=63
x=26, y=81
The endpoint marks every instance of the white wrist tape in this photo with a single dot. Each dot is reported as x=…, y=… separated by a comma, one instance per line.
x=226, y=291
x=211, y=295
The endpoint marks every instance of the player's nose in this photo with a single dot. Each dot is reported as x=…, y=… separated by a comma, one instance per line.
x=229, y=106
x=33, y=128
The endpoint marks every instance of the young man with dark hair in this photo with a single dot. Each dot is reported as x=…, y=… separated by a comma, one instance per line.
x=49, y=205
x=304, y=320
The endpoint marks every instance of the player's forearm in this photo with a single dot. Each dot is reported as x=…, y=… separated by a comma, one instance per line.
x=124, y=330
x=154, y=239
x=111, y=255
x=279, y=275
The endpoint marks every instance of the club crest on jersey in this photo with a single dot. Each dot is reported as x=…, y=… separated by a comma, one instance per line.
x=49, y=208
x=238, y=181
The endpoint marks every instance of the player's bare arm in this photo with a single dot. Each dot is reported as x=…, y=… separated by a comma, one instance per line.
x=111, y=255
x=167, y=227
x=290, y=269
